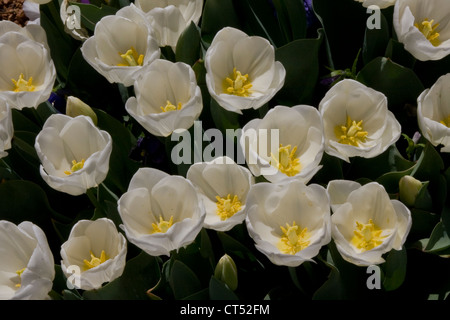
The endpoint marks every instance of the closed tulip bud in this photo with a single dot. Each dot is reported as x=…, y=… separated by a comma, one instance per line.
x=409, y=188
x=76, y=107
x=226, y=272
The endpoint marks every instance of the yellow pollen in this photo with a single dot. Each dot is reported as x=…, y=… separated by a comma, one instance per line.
x=227, y=207
x=351, y=133
x=237, y=84
x=131, y=58
x=23, y=85
x=75, y=166
x=429, y=31
x=367, y=236
x=170, y=107
x=446, y=121
x=19, y=273
x=162, y=226
x=286, y=161
x=95, y=261
x=294, y=239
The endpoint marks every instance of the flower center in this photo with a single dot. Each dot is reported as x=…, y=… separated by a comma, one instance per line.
x=446, y=121
x=286, y=161
x=351, y=133
x=162, y=226
x=131, y=58
x=237, y=84
x=294, y=239
x=227, y=207
x=19, y=274
x=95, y=262
x=367, y=236
x=23, y=85
x=170, y=107
x=75, y=166
x=429, y=31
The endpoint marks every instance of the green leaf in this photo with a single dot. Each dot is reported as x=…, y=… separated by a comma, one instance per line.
x=219, y=291
x=91, y=14
x=396, y=52
x=188, y=45
x=394, y=269
x=141, y=273
x=376, y=41
x=183, y=280
x=301, y=61
x=218, y=14
x=439, y=241
x=292, y=18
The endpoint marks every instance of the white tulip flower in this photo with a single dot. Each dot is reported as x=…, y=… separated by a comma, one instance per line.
x=191, y=10
x=32, y=31
x=74, y=153
x=96, y=251
x=160, y=212
x=289, y=222
x=367, y=224
x=357, y=121
x=241, y=70
x=382, y=4
x=423, y=27
x=27, y=267
x=172, y=102
x=433, y=113
x=6, y=128
x=288, y=143
x=121, y=46
x=223, y=186
x=32, y=11
x=27, y=72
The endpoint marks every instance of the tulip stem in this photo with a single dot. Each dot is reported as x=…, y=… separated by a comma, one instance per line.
x=93, y=197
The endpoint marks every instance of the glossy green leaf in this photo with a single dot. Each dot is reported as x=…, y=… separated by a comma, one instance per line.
x=394, y=269
x=91, y=14
x=188, y=45
x=219, y=291
x=292, y=18
x=183, y=280
x=218, y=14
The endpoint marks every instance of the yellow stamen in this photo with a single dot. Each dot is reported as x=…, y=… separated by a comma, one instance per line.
x=286, y=161
x=429, y=31
x=294, y=239
x=227, y=207
x=237, y=84
x=131, y=58
x=75, y=166
x=23, y=85
x=95, y=261
x=170, y=107
x=162, y=226
x=19, y=273
x=446, y=121
x=367, y=236
x=351, y=133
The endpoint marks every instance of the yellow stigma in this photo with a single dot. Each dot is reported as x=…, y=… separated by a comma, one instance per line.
x=131, y=58
x=286, y=161
x=95, y=261
x=237, y=84
x=351, y=133
x=294, y=239
x=162, y=226
x=227, y=207
x=23, y=85
x=19, y=273
x=429, y=31
x=446, y=121
x=367, y=236
x=75, y=166
x=170, y=107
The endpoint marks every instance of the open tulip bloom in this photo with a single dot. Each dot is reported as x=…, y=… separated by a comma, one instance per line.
x=366, y=223
x=288, y=143
x=95, y=251
x=173, y=102
x=223, y=186
x=357, y=121
x=121, y=45
x=423, y=27
x=27, y=266
x=160, y=212
x=74, y=153
x=289, y=222
x=27, y=72
x=6, y=128
x=241, y=70
x=433, y=113
x=379, y=3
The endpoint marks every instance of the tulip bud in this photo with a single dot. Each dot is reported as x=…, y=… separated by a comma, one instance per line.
x=409, y=188
x=226, y=272
x=76, y=107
